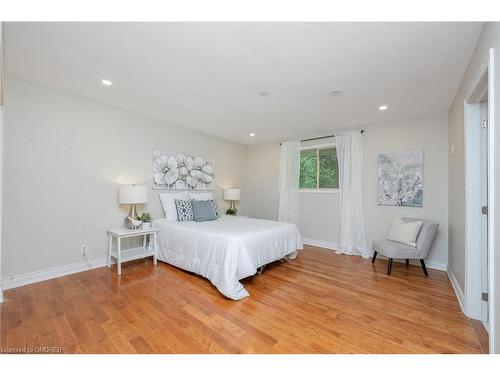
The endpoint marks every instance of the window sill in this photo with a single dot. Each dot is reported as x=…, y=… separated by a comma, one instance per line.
x=320, y=191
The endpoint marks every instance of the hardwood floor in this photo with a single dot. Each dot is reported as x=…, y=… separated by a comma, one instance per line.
x=320, y=303
x=482, y=335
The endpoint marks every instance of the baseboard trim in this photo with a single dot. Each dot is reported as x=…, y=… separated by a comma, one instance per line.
x=430, y=263
x=319, y=243
x=55, y=272
x=433, y=264
x=458, y=291
x=51, y=273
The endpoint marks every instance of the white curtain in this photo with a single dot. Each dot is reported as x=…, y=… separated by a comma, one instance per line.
x=352, y=236
x=289, y=182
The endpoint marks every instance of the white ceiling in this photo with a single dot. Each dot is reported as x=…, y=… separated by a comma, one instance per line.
x=207, y=76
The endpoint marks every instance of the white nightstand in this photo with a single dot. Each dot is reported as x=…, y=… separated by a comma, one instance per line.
x=131, y=254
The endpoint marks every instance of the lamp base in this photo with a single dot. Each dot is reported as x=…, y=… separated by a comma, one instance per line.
x=133, y=214
x=232, y=210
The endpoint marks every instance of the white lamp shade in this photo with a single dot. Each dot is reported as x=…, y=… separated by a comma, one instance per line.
x=131, y=194
x=232, y=194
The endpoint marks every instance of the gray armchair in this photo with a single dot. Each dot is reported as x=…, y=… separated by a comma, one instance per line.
x=396, y=250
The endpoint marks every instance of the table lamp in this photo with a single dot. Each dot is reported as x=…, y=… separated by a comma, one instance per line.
x=232, y=195
x=132, y=194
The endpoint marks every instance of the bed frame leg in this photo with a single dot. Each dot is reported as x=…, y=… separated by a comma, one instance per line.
x=260, y=269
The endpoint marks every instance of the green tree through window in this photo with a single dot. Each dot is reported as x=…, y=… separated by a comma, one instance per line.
x=308, y=169
x=319, y=169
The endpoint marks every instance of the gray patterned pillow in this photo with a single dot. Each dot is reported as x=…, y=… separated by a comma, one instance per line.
x=213, y=205
x=214, y=208
x=184, y=210
x=203, y=211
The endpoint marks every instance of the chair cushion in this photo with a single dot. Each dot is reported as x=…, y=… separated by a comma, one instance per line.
x=392, y=249
x=427, y=234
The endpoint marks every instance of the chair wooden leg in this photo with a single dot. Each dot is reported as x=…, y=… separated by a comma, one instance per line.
x=424, y=268
x=374, y=256
x=389, y=266
x=407, y=263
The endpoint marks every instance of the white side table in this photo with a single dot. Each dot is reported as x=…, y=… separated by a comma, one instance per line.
x=131, y=254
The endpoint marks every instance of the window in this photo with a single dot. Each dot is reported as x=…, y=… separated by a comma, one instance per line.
x=319, y=168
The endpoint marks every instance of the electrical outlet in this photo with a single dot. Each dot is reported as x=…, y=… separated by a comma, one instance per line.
x=85, y=249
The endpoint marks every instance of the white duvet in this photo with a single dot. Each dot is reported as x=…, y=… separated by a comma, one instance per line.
x=226, y=250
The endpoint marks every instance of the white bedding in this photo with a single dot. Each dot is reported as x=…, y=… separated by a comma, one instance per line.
x=226, y=250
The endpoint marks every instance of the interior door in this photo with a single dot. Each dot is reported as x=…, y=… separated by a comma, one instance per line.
x=484, y=216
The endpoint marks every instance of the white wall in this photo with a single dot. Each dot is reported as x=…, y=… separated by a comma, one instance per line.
x=429, y=134
x=262, y=180
x=489, y=38
x=62, y=157
x=263, y=195
x=456, y=168
x=1, y=146
x=1, y=189
x=318, y=217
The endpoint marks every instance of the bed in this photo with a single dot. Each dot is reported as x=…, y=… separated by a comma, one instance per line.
x=226, y=250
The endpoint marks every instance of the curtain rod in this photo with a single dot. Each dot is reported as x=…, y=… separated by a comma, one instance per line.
x=324, y=137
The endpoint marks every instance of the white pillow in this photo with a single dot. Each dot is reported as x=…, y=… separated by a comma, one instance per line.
x=405, y=232
x=209, y=196
x=168, y=203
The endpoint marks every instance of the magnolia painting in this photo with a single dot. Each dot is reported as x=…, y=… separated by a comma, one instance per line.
x=400, y=179
x=182, y=172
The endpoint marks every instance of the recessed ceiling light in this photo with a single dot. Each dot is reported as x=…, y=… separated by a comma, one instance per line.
x=106, y=82
x=263, y=93
x=335, y=92
x=382, y=108
x=252, y=134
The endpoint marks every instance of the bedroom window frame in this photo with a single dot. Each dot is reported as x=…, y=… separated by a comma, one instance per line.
x=318, y=147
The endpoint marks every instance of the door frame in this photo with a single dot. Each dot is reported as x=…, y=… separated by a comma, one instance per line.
x=484, y=218
x=485, y=80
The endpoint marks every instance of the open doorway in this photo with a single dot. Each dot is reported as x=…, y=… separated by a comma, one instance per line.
x=478, y=193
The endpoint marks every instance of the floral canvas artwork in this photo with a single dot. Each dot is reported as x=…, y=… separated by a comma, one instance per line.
x=400, y=179
x=182, y=172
